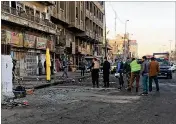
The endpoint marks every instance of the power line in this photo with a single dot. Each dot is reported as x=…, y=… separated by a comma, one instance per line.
x=116, y=13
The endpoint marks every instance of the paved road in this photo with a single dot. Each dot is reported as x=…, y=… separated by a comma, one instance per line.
x=79, y=103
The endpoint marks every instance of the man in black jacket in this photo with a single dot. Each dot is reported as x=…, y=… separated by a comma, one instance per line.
x=106, y=69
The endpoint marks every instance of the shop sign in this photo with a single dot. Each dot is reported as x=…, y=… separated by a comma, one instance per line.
x=41, y=43
x=29, y=41
x=17, y=39
x=73, y=48
x=5, y=37
x=88, y=49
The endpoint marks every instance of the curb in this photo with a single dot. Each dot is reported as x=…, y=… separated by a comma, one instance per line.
x=57, y=82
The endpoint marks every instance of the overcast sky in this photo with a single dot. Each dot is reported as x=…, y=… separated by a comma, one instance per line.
x=151, y=23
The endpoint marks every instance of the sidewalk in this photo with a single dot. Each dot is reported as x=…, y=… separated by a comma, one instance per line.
x=36, y=82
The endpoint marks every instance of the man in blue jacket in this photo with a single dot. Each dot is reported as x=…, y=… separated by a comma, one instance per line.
x=119, y=70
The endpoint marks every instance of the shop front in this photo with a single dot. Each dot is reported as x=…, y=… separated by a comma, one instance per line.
x=27, y=49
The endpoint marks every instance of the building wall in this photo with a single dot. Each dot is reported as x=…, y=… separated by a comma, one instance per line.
x=63, y=20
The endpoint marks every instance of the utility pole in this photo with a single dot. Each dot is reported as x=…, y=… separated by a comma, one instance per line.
x=125, y=44
x=105, y=33
x=170, y=50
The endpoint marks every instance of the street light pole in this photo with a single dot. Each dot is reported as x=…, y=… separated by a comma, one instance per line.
x=125, y=45
x=170, y=50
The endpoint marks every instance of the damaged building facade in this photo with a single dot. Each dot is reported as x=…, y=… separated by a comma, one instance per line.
x=68, y=28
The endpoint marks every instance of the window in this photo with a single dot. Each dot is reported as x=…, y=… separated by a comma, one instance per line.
x=43, y=15
x=87, y=5
x=90, y=7
x=82, y=15
x=94, y=11
x=62, y=5
x=5, y=3
x=76, y=12
x=29, y=10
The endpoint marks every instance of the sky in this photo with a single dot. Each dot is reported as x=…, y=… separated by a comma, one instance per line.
x=152, y=24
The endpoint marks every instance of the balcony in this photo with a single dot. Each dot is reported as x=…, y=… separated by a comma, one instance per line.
x=21, y=18
x=87, y=13
x=62, y=15
x=91, y=16
x=87, y=33
x=82, y=25
x=48, y=3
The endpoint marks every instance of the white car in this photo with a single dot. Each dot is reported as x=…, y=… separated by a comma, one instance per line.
x=173, y=68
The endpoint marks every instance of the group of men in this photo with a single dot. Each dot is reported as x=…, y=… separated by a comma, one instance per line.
x=133, y=70
x=148, y=70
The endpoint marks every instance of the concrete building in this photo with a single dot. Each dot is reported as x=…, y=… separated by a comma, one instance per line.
x=27, y=29
x=117, y=46
x=69, y=28
x=133, y=48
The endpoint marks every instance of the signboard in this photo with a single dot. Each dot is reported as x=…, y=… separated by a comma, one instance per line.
x=73, y=48
x=29, y=41
x=41, y=43
x=5, y=37
x=88, y=49
x=17, y=39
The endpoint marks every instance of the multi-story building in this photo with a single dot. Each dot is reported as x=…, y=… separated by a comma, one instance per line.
x=27, y=29
x=72, y=28
x=117, y=46
x=133, y=48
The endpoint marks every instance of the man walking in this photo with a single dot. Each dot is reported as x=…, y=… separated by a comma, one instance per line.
x=82, y=67
x=119, y=70
x=40, y=66
x=106, y=69
x=135, y=74
x=127, y=70
x=153, y=72
x=95, y=72
x=65, y=69
x=145, y=75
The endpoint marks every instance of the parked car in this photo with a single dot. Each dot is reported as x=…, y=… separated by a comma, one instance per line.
x=165, y=70
x=173, y=68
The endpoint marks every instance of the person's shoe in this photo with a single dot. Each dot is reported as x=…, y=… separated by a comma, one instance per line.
x=144, y=94
x=120, y=88
x=93, y=86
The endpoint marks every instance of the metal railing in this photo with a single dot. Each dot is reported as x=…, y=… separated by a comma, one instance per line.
x=22, y=14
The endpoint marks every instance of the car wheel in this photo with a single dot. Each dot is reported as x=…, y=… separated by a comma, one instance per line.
x=169, y=77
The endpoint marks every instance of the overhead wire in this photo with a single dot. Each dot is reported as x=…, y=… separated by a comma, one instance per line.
x=116, y=13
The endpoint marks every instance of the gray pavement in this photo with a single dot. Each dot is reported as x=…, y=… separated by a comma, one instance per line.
x=79, y=103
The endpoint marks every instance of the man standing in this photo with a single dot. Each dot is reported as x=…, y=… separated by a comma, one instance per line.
x=45, y=66
x=119, y=70
x=135, y=74
x=145, y=75
x=40, y=66
x=95, y=72
x=82, y=67
x=153, y=72
x=106, y=69
x=127, y=70
x=65, y=68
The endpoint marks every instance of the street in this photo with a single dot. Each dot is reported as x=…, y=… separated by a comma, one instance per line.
x=79, y=103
